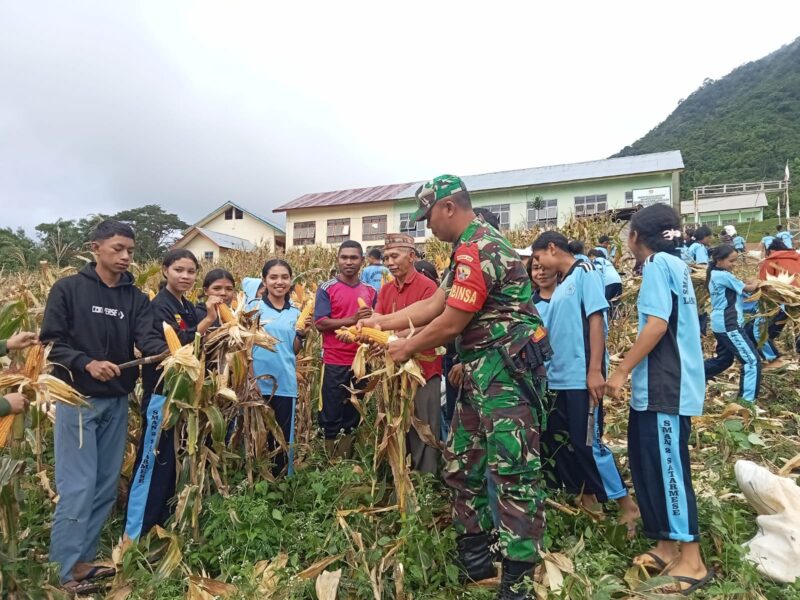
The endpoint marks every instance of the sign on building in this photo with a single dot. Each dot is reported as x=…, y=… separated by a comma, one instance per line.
x=649, y=196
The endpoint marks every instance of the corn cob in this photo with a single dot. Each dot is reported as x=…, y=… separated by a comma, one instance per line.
x=151, y=294
x=173, y=341
x=5, y=428
x=376, y=336
x=308, y=309
x=225, y=314
x=362, y=303
x=235, y=303
x=33, y=362
x=300, y=294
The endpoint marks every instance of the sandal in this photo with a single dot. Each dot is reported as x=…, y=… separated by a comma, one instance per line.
x=99, y=572
x=694, y=584
x=81, y=588
x=651, y=562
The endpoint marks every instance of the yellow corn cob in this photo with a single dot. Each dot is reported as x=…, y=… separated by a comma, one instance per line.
x=5, y=428
x=173, y=342
x=151, y=294
x=308, y=308
x=374, y=335
x=33, y=362
x=235, y=303
x=300, y=293
x=225, y=314
x=362, y=303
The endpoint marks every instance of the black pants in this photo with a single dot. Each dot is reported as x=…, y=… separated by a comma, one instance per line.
x=152, y=484
x=282, y=405
x=737, y=345
x=613, y=292
x=338, y=415
x=571, y=463
x=658, y=455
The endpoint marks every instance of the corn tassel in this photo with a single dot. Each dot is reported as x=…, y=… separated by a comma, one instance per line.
x=5, y=428
x=225, y=314
x=308, y=309
x=173, y=341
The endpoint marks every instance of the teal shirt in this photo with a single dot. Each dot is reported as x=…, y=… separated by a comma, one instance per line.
x=281, y=364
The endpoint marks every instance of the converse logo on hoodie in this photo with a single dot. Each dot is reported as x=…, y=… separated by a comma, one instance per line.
x=111, y=312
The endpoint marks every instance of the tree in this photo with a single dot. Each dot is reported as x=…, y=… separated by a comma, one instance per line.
x=154, y=229
x=61, y=241
x=17, y=251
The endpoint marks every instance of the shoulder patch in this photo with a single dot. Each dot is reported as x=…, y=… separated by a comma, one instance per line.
x=586, y=266
x=328, y=284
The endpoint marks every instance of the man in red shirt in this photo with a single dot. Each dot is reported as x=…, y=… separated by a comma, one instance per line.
x=407, y=287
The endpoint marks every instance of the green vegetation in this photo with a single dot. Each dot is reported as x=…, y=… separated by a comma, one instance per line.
x=743, y=127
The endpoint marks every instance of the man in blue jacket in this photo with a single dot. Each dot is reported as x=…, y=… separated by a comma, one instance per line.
x=93, y=319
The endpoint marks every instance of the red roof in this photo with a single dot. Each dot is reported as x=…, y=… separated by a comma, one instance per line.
x=379, y=193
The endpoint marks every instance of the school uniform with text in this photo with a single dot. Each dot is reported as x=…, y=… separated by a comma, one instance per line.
x=152, y=485
x=668, y=388
x=581, y=469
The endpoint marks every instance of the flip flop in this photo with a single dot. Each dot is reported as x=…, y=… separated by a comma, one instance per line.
x=99, y=572
x=694, y=584
x=81, y=588
x=656, y=564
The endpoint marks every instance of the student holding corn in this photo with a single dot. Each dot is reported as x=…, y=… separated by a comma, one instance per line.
x=341, y=302
x=289, y=326
x=93, y=319
x=15, y=403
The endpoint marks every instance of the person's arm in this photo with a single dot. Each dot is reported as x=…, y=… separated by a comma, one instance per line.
x=55, y=330
x=442, y=330
x=595, y=382
x=147, y=334
x=651, y=334
x=420, y=313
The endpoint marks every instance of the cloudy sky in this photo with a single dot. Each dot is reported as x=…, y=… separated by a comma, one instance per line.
x=111, y=105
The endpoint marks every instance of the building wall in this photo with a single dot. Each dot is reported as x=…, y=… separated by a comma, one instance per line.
x=355, y=213
x=726, y=217
x=247, y=228
x=517, y=199
x=199, y=245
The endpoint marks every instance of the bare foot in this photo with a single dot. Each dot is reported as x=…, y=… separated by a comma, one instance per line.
x=629, y=516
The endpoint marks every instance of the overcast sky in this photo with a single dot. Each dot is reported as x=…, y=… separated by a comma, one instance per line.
x=111, y=105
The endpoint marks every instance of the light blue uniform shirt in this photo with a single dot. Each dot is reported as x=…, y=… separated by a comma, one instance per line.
x=281, y=364
x=372, y=275
x=767, y=240
x=786, y=238
x=607, y=271
x=579, y=295
x=698, y=254
x=671, y=379
x=250, y=287
x=727, y=313
x=738, y=243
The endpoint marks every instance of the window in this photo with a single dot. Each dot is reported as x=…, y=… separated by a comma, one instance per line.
x=233, y=213
x=544, y=216
x=713, y=223
x=373, y=228
x=590, y=205
x=408, y=227
x=501, y=211
x=629, y=198
x=208, y=256
x=305, y=233
x=734, y=221
x=338, y=230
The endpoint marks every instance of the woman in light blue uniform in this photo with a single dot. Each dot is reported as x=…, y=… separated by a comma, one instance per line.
x=727, y=323
x=276, y=372
x=668, y=389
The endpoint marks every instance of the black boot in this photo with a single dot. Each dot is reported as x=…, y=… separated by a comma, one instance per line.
x=475, y=561
x=512, y=585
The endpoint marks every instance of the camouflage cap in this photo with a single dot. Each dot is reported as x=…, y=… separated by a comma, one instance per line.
x=398, y=240
x=434, y=190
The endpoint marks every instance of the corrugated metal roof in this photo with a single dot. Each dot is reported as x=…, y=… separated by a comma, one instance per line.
x=740, y=202
x=596, y=169
x=223, y=240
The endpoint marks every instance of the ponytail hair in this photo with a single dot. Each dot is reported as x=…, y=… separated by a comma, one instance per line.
x=658, y=227
x=717, y=254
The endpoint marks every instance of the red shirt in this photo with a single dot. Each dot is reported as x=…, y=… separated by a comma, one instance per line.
x=338, y=300
x=780, y=261
x=393, y=297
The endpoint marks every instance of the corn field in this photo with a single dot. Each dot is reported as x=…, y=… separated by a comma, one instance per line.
x=367, y=527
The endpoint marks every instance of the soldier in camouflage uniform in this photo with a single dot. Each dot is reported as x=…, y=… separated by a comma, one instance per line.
x=485, y=304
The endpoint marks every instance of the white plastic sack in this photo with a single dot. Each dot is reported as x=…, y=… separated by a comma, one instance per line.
x=775, y=549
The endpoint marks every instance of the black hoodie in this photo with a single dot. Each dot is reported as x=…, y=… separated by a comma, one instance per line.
x=86, y=320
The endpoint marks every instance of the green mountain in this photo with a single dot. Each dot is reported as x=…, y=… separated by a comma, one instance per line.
x=743, y=127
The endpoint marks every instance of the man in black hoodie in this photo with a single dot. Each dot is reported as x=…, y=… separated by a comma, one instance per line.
x=93, y=319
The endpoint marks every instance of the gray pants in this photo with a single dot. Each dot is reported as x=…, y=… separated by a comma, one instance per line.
x=428, y=409
x=86, y=477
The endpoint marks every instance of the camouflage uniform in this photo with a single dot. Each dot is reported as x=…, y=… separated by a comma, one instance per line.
x=494, y=424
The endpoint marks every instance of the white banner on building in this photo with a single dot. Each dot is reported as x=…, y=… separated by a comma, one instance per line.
x=649, y=196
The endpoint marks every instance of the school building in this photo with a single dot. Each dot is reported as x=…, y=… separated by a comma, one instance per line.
x=524, y=198
x=726, y=210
